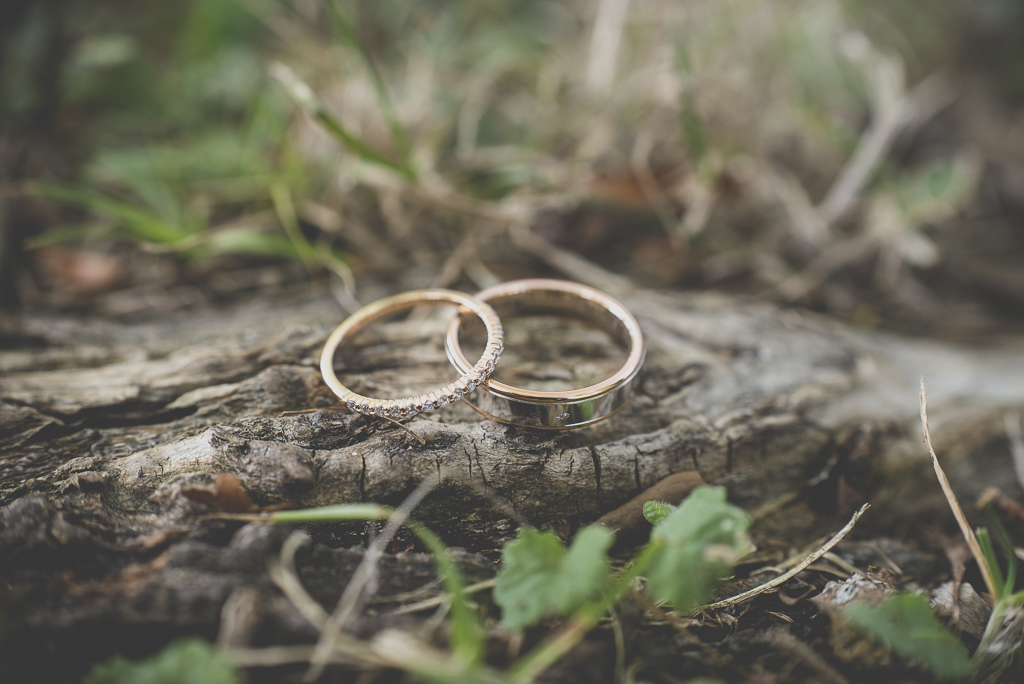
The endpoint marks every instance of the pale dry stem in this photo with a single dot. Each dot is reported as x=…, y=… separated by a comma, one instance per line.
x=783, y=640
x=1011, y=421
x=771, y=584
x=954, y=505
x=353, y=596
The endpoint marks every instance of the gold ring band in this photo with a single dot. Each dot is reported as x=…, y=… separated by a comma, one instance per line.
x=471, y=376
x=554, y=410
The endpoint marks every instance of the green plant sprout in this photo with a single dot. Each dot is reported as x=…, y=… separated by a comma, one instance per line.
x=191, y=660
x=905, y=623
x=1001, y=641
x=691, y=548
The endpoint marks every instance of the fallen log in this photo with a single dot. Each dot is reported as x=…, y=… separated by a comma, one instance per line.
x=109, y=429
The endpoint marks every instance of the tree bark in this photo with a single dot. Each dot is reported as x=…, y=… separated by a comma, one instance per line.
x=109, y=431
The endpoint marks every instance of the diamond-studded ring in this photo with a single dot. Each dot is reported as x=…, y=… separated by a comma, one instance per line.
x=404, y=408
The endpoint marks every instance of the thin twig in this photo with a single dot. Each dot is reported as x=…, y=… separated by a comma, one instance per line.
x=345, y=409
x=895, y=110
x=771, y=584
x=620, y=648
x=410, y=595
x=896, y=570
x=300, y=412
x=346, y=294
x=406, y=428
x=571, y=263
x=1013, y=435
x=677, y=623
x=436, y=601
x=274, y=656
x=353, y=596
x=849, y=568
x=453, y=266
x=640, y=163
x=283, y=574
x=604, y=45
x=238, y=617
x=954, y=505
x=783, y=640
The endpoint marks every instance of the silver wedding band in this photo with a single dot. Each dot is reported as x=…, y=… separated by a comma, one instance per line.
x=563, y=409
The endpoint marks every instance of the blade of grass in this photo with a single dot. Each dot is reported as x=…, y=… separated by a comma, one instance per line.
x=145, y=225
x=355, y=593
x=324, y=514
x=285, y=208
x=954, y=505
x=76, y=233
x=304, y=97
x=991, y=560
x=467, y=634
x=997, y=529
x=245, y=240
x=398, y=134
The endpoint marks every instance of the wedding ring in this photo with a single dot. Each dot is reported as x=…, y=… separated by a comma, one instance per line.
x=471, y=377
x=554, y=410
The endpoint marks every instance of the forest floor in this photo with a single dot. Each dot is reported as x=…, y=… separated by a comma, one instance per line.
x=795, y=275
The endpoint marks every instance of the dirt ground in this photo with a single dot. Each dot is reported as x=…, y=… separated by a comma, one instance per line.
x=792, y=296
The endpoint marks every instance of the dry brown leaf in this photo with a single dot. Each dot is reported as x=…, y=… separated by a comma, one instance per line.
x=227, y=495
x=628, y=520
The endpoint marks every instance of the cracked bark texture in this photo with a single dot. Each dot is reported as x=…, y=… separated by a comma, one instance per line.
x=105, y=428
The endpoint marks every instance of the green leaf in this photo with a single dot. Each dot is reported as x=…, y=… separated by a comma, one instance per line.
x=303, y=95
x=529, y=564
x=145, y=225
x=70, y=233
x=190, y=660
x=1007, y=547
x=937, y=189
x=540, y=576
x=249, y=240
x=585, y=569
x=906, y=624
x=988, y=552
x=656, y=511
x=398, y=134
x=467, y=633
x=701, y=540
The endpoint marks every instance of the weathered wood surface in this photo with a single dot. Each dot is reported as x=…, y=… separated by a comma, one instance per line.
x=104, y=429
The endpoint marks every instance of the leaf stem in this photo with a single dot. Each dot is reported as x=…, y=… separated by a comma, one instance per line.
x=303, y=95
x=398, y=134
x=585, y=619
x=285, y=208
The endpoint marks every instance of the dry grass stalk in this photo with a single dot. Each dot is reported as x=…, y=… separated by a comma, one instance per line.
x=958, y=513
x=355, y=592
x=771, y=584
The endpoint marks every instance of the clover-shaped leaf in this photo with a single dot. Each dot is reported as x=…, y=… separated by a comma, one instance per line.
x=701, y=539
x=539, y=576
x=906, y=624
x=190, y=660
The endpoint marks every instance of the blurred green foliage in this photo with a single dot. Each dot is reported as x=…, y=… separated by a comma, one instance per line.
x=177, y=124
x=169, y=120
x=186, y=661
x=906, y=624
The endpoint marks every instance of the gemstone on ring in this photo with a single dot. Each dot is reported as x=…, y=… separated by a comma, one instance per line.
x=395, y=408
